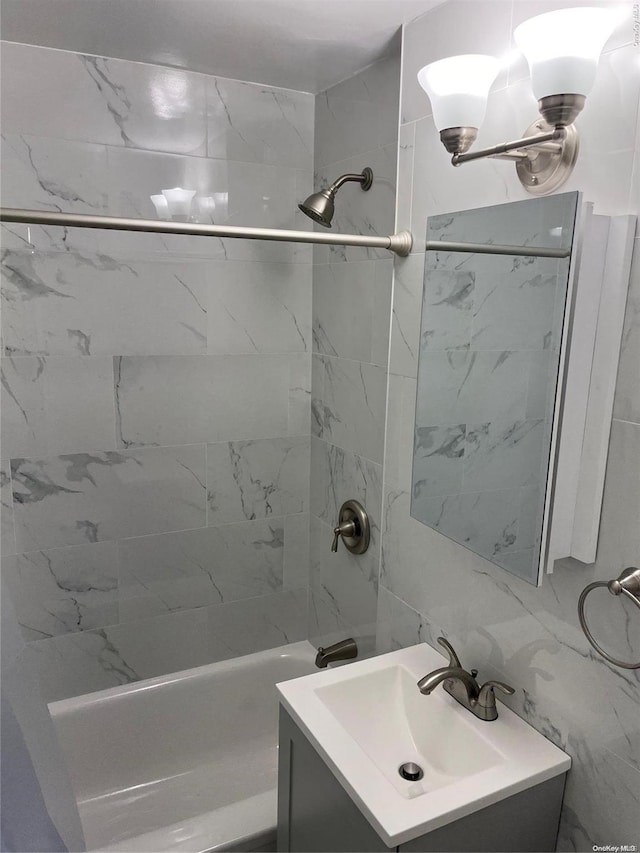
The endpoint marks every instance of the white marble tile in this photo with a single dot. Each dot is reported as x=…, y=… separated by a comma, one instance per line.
x=627, y=399
x=57, y=175
x=463, y=387
x=57, y=405
x=343, y=309
x=398, y=625
x=110, y=101
x=296, y=551
x=93, y=497
x=257, y=479
x=80, y=663
x=354, y=404
x=317, y=395
x=299, y=394
x=338, y=475
x=246, y=194
x=76, y=304
x=196, y=568
x=153, y=107
x=258, y=307
x=64, y=590
x=7, y=536
x=406, y=149
x=405, y=323
x=243, y=627
x=381, y=313
x=344, y=590
x=190, y=399
x=358, y=212
x=358, y=114
x=259, y=124
x=399, y=436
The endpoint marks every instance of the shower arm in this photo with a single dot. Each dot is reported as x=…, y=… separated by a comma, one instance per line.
x=399, y=243
x=343, y=179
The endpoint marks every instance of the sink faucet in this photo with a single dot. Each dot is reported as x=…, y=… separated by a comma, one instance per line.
x=464, y=688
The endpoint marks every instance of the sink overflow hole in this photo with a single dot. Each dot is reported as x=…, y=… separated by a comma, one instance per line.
x=412, y=772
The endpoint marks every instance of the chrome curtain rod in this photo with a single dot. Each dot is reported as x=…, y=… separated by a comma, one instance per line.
x=495, y=249
x=399, y=243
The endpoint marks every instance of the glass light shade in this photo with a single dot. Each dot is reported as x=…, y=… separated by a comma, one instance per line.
x=458, y=88
x=161, y=205
x=179, y=202
x=563, y=48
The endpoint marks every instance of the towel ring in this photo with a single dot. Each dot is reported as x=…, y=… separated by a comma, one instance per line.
x=627, y=583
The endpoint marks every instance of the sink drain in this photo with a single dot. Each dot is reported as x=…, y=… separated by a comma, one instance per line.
x=412, y=772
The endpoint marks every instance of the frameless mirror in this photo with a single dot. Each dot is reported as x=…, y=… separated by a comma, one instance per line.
x=488, y=375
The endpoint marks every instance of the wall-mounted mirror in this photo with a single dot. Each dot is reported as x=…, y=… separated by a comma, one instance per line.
x=490, y=340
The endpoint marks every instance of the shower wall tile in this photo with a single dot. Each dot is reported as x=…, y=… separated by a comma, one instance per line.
x=45, y=405
x=249, y=626
x=53, y=174
x=344, y=592
x=258, y=308
x=405, y=320
x=7, y=536
x=78, y=304
x=399, y=437
x=296, y=551
x=343, y=309
x=358, y=115
x=64, y=590
x=299, y=394
x=196, y=568
x=257, y=479
x=91, y=497
x=358, y=212
x=354, y=401
x=110, y=101
x=259, y=124
x=116, y=340
x=165, y=400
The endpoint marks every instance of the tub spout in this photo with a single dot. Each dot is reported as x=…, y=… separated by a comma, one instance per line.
x=344, y=650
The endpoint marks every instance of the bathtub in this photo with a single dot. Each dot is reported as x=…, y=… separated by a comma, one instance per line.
x=182, y=762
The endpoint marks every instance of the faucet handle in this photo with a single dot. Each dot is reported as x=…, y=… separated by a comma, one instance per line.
x=453, y=657
x=485, y=696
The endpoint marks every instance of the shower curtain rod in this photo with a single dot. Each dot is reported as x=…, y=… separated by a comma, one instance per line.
x=496, y=249
x=399, y=243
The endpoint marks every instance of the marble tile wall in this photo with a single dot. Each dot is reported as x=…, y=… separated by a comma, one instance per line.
x=355, y=126
x=155, y=390
x=429, y=585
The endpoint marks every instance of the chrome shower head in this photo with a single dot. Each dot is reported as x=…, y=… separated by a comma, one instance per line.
x=320, y=206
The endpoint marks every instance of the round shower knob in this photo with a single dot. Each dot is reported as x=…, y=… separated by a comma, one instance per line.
x=353, y=526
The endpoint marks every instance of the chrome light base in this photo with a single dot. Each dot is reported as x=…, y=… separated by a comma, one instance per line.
x=457, y=140
x=546, y=168
x=561, y=110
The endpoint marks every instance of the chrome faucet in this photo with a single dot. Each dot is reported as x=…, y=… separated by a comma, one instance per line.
x=344, y=650
x=464, y=688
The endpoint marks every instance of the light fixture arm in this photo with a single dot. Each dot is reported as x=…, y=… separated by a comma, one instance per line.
x=511, y=150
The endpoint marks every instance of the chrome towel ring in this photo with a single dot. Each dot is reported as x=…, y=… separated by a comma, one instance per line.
x=627, y=583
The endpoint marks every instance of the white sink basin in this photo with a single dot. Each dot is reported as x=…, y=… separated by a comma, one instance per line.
x=368, y=718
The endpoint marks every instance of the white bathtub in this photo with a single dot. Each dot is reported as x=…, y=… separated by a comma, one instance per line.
x=183, y=762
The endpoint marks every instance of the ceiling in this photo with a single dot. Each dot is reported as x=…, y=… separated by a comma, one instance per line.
x=308, y=45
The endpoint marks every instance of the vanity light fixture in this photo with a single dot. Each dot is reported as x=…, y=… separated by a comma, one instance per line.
x=179, y=203
x=562, y=49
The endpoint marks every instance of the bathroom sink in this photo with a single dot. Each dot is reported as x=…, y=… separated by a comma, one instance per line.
x=366, y=719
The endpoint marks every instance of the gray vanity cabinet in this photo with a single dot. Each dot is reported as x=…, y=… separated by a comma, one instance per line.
x=315, y=813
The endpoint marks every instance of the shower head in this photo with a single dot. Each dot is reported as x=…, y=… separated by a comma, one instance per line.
x=320, y=206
